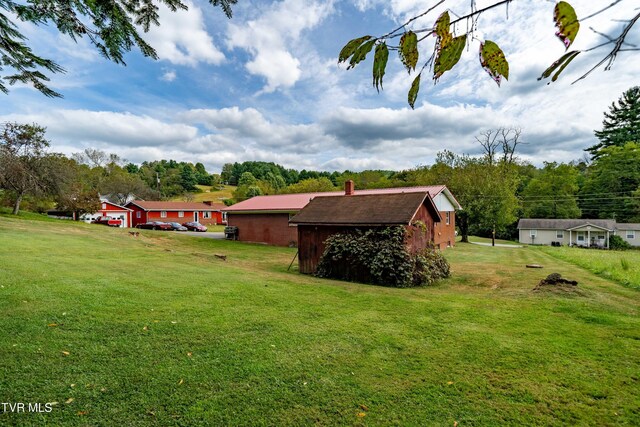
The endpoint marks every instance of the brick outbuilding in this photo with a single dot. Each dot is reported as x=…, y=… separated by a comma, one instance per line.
x=265, y=219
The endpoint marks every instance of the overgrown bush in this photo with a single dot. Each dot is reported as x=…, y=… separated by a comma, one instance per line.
x=618, y=243
x=379, y=256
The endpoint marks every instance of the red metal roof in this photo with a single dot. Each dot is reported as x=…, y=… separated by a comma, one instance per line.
x=176, y=206
x=295, y=202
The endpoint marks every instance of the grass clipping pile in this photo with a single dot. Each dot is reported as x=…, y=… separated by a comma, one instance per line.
x=380, y=257
x=555, y=282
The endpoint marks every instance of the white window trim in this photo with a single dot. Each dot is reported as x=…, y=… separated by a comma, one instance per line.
x=631, y=234
x=163, y=214
x=180, y=214
x=581, y=236
x=138, y=214
x=206, y=215
x=104, y=206
x=533, y=233
x=559, y=234
x=448, y=217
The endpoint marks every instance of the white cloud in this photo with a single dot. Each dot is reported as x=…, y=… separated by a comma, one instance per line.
x=182, y=37
x=107, y=128
x=271, y=39
x=169, y=76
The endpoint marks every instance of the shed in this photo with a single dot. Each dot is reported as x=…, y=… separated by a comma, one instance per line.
x=325, y=216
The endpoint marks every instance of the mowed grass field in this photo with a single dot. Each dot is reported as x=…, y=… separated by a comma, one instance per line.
x=212, y=194
x=156, y=330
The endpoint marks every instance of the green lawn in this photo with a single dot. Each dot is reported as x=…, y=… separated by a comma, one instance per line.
x=621, y=266
x=156, y=330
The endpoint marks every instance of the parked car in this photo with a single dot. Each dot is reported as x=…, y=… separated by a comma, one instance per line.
x=107, y=220
x=155, y=225
x=176, y=226
x=195, y=226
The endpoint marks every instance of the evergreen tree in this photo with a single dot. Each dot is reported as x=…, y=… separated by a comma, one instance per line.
x=621, y=124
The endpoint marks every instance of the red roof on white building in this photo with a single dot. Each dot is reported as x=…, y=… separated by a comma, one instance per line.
x=295, y=202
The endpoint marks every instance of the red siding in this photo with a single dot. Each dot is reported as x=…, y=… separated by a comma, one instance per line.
x=172, y=216
x=272, y=229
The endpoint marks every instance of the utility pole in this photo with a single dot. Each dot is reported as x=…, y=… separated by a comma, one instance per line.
x=493, y=235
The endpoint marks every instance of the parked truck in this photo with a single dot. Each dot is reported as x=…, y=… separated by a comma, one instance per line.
x=107, y=220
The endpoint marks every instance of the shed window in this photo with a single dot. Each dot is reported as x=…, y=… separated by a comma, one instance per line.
x=448, y=217
x=104, y=206
x=163, y=214
x=138, y=214
x=559, y=234
x=533, y=233
x=181, y=214
x=631, y=234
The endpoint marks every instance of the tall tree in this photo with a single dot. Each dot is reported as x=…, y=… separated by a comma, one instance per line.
x=111, y=26
x=621, y=124
x=552, y=193
x=22, y=160
x=610, y=183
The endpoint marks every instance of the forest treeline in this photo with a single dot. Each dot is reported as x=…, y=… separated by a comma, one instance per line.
x=495, y=189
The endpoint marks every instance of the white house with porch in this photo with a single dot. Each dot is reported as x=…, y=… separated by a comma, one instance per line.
x=575, y=232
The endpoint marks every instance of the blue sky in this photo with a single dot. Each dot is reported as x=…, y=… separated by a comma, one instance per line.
x=265, y=85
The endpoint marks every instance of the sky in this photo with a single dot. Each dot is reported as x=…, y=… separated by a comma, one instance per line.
x=265, y=85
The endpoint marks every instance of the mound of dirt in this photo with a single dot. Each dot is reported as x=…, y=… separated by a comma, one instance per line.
x=555, y=281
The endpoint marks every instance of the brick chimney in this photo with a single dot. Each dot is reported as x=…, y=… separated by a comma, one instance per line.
x=349, y=188
x=207, y=202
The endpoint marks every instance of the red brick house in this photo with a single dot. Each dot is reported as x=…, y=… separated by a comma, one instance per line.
x=206, y=213
x=265, y=219
x=325, y=216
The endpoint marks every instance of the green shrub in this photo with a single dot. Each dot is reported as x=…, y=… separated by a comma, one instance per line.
x=380, y=256
x=618, y=243
x=429, y=267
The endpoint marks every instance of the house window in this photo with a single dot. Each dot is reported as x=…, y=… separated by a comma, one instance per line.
x=631, y=234
x=181, y=214
x=224, y=216
x=600, y=236
x=533, y=233
x=104, y=206
x=448, y=217
x=138, y=214
x=206, y=214
x=163, y=214
x=580, y=236
x=559, y=234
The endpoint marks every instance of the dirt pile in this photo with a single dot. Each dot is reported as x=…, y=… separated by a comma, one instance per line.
x=555, y=281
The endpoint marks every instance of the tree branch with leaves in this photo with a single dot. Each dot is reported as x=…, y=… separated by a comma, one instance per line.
x=112, y=27
x=450, y=42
